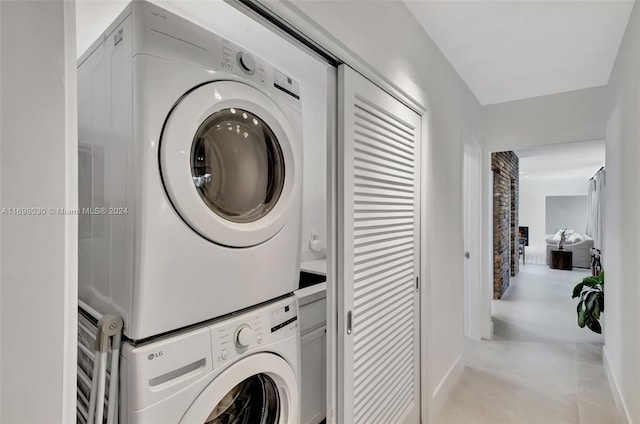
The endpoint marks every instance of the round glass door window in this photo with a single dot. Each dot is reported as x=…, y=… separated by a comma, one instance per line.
x=253, y=401
x=237, y=165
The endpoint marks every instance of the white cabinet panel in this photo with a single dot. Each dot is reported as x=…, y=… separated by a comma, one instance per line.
x=313, y=315
x=314, y=346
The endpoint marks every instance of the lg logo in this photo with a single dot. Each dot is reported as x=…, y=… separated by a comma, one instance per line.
x=154, y=355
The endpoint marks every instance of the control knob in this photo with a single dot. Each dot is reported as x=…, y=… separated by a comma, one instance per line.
x=244, y=336
x=247, y=63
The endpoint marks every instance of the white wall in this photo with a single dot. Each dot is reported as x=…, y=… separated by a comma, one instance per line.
x=533, y=192
x=621, y=225
x=39, y=252
x=408, y=57
x=217, y=16
x=568, y=212
x=557, y=118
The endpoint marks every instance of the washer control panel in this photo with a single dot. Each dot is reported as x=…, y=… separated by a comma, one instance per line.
x=155, y=369
x=235, y=336
x=282, y=317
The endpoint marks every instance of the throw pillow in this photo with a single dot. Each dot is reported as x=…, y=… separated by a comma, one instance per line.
x=575, y=238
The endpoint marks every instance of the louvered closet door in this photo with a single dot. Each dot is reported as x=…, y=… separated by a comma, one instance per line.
x=378, y=251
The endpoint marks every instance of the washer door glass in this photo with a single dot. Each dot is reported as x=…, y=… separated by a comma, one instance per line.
x=237, y=165
x=253, y=401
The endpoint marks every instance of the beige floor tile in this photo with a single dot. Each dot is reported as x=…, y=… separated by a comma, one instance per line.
x=541, y=368
x=588, y=352
x=483, y=397
x=596, y=414
x=593, y=386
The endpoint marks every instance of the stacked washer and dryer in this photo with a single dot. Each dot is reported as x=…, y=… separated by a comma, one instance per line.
x=190, y=153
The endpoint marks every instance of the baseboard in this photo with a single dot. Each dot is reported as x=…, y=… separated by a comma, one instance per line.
x=444, y=389
x=615, y=389
x=506, y=292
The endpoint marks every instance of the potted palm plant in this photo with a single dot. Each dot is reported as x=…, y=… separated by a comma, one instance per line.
x=591, y=305
x=563, y=238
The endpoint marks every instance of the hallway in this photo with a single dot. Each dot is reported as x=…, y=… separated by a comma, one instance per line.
x=540, y=368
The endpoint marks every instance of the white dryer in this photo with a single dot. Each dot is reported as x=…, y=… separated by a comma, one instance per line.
x=243, y=369
x=190, y=154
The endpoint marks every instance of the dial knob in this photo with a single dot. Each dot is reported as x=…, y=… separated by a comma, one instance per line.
x=244, y=336
x=247, y=63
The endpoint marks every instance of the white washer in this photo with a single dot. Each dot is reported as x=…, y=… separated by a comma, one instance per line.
x=190, y=153
x=241, y=369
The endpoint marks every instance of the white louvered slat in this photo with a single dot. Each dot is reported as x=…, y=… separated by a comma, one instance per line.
x=382, y=184
x=364, y=174
x=389, y=162
x=387, y=277
x=362, y=224
x=367, y=115
x=371, y=233
x=381, y=237
x=369, y=216
x=380, y=222
x=375, y=141
x=374, y=265
x=369, y=358
x=365, y=194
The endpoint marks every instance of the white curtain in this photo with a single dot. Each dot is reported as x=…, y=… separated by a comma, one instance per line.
x=595, y=211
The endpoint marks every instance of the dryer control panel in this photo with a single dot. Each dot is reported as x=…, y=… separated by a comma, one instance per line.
x=237, y=60
x=242, y=63
x=253, y=329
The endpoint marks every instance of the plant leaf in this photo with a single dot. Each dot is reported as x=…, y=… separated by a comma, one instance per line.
x=601, y=302
x=590, y=281
x=592, y=303
x=589, y=300
x=577, y=290
x=581, y=316
x=595, y=311
x=594, y=326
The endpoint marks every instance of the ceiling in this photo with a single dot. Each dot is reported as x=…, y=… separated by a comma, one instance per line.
x=580, y=159
x=517, y=49
x=92, y=18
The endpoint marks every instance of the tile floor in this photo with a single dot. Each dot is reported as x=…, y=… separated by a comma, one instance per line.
x=540, y=368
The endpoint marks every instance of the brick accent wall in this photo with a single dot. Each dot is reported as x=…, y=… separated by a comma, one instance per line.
x=506, y=183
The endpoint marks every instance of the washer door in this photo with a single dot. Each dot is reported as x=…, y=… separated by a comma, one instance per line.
x=260, y=389
x=227, y=163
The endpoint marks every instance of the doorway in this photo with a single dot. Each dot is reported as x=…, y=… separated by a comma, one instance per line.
x=553, y=185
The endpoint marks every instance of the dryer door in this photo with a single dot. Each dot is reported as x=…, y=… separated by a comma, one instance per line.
x=227, y=163
x=259, y=389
